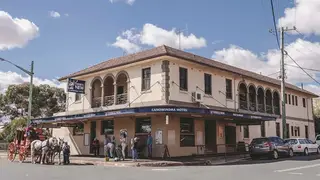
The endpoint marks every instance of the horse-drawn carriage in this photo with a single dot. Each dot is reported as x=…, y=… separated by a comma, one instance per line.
x=21, y=143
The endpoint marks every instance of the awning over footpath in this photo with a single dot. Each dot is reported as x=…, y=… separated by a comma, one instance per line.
x=206, y=113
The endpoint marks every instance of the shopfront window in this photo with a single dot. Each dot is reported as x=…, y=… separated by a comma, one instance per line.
x=143, y=125
x=78, y=129
x=107, y=127
x=187, y=138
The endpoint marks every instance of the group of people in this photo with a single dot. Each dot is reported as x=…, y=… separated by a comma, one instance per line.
x=113, y=151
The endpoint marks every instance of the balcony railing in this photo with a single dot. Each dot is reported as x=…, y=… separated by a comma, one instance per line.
x=276, y=110
x=269, y=109
x=108, y=100
x=252, y=106
x=96, y=102
x=244, y=105
x=261, y=108
x=122, y=98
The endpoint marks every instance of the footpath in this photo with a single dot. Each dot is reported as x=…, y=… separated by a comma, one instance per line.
x=188, y=161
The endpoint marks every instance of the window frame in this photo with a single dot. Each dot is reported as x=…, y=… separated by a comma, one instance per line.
x=306, y=131
x=145, y=86
x=296, y=100
x=304, y=102
x=183, y=81
x=229, y=94
x=78, y=126
x=246, y=132
x=293, y=103
x=187, y=134
x=278, y=129
x=209, y=86
x=289, y=98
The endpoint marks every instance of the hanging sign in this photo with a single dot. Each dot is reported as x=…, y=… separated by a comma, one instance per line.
x=76, y=86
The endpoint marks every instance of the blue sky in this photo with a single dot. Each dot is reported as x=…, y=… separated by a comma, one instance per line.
x=232, y=31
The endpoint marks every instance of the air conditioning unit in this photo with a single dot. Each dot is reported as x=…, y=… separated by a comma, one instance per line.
x=197, y=97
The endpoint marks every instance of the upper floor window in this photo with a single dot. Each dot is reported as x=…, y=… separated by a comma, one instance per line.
x=146, y=78
x=229, y=88
x=293, y=100
x=183, y=75
x=304, y=102
x=77, y=97
x=289, y=98
x=296, y=100
x=286, y=98
x=208, y=84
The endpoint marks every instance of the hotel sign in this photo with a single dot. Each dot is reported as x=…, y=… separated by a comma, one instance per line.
x=76, y=86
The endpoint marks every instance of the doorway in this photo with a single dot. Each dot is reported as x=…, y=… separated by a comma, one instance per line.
x=210, y=127
x=93, y=127
x=231, y=139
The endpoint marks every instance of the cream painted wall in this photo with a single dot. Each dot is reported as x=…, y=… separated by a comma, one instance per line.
x=196, y=78
x=135, y=94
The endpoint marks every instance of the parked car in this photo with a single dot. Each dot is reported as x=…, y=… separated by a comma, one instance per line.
x=318, y=139
x=272, y=147
x=303, y=146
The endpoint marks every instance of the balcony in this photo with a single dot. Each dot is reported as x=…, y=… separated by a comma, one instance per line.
x=108, y=100
x=96, y=102
x=252, y=106
x=122, y=98
x=244, y=105
x=269, y=109
x=276, y=110
x=261, y=108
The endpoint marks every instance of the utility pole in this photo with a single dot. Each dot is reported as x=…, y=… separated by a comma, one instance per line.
x=283, y=76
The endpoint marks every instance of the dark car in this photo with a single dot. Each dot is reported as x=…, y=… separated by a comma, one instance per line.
x=272, y=147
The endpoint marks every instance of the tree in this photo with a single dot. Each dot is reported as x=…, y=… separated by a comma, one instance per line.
x=9, y=131
x=46, y=100
x=316, y=111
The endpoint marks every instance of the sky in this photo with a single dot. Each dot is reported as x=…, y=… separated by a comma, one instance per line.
x=62, y=37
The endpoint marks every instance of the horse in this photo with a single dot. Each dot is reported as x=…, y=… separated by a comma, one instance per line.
x=44, y=147
x=56, y=150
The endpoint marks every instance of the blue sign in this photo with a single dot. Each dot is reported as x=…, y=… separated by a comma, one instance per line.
x=159, y=109
x=76, y=86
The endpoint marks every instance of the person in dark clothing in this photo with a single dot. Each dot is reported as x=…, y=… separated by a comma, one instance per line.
x=66, y=153
x=96, y=147
x=134, y=147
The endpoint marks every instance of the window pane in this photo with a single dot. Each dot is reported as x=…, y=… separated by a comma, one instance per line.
x=183, y=74
x=146, y=73
x=143, y=125
x=245, y=131
x=228, y=88
x=296, y=100
x=208, y=84
x=79, y=129
x=278, y=129
x=186, y=125
x=107, y=127
x=187, y=140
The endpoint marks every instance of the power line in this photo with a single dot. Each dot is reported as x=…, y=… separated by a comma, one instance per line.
x=303, y=69
x=317, y=70
x=273, y=73
x=274, y=23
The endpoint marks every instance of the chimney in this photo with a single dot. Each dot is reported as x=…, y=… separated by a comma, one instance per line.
x=301, y=85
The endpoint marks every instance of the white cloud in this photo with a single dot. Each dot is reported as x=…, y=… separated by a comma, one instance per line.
x=54, y=14
x=15, y=32
x=130, y=2
x=152, y=35
x=305, y=53
x=8, y=78
x=305, y=15
x=313, y=88
x=66, y=14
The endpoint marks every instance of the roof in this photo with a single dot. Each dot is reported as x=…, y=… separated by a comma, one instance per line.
x=169, y=51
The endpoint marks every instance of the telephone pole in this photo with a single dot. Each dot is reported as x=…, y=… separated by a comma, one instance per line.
x=283, y=76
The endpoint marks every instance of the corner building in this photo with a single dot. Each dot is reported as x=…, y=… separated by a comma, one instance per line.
x=192, y=104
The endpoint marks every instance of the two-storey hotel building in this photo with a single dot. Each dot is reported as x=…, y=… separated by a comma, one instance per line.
x=192, y=104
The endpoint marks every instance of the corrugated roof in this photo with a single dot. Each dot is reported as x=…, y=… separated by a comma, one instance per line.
x=169, y=51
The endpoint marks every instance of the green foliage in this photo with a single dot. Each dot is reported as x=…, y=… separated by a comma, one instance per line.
x=46, y=100
x=9, y=131
x=316, y=111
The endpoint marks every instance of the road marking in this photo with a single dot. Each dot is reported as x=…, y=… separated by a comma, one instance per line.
x=318, y=175
x=162, y=169
x=298, y=168
x=296, y=173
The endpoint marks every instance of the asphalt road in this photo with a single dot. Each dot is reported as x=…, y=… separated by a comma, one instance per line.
x=296, y=168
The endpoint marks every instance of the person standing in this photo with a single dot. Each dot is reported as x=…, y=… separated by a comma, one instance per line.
x=149, y=144
x=134, y=147
x=66, y=153
x=105, y=147
x=123, y=142
x=96, y=147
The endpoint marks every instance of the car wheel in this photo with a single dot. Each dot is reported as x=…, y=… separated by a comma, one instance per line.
x=275, y=154
x=306, y=152
x=290, y=153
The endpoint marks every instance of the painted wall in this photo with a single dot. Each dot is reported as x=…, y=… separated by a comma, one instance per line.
x=218, y=98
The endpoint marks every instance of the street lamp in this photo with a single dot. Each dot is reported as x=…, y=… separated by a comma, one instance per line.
x=30, y=73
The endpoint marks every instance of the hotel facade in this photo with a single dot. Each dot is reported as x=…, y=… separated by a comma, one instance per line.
x=192, y=104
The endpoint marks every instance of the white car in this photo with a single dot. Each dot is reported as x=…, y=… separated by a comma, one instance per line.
x=318, y=139
x=303, y=146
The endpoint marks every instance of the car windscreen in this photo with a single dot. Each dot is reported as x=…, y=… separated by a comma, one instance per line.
x=291, y=141
x=259, y=140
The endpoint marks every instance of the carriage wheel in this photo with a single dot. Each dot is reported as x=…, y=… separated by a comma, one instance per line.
x=11, y=152
x=22, y=154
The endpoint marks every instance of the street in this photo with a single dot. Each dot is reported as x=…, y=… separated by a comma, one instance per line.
x=285, y=169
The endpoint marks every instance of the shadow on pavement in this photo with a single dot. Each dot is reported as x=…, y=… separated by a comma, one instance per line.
x=267, y=161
